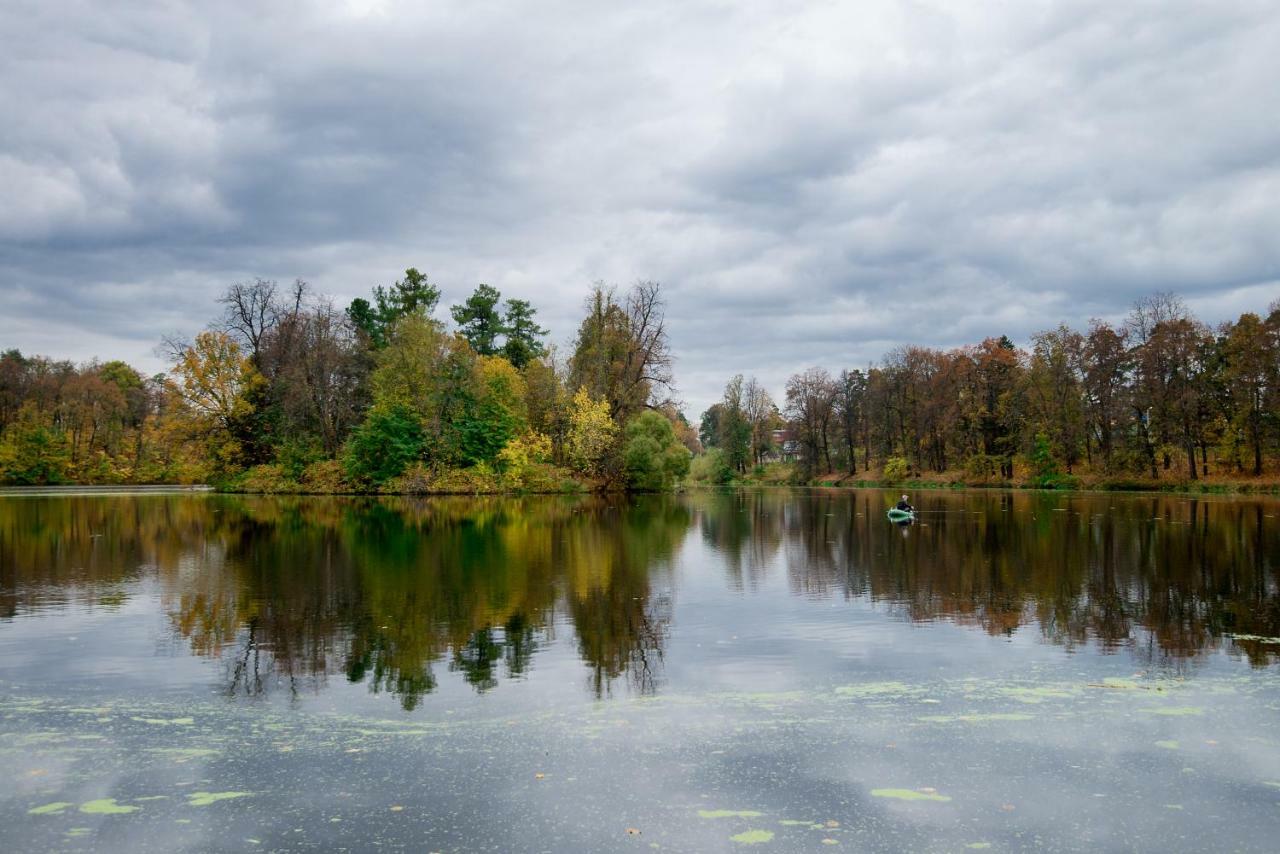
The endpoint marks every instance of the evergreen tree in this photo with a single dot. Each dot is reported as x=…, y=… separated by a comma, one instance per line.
x=524, y=335
x=478, y=320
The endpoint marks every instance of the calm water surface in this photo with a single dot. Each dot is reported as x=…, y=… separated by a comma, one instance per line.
x=738, y=671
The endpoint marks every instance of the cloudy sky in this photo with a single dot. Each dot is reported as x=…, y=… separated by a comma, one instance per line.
x=813, y=183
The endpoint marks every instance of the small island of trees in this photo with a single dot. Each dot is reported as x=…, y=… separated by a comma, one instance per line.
x=285, y=392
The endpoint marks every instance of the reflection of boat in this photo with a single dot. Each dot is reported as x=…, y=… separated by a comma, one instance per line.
x=896, y=515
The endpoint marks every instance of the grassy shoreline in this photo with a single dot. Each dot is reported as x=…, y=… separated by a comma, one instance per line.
x=1204, y=487
x=785, y=474
x=1260, y=486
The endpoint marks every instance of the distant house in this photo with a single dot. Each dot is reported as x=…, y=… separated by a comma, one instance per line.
x=785, y=446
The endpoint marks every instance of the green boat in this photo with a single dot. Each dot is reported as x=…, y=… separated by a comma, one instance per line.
x=896, y=515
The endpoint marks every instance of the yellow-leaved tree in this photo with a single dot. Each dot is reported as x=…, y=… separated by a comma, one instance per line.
x=592, y=432
x=213, y=383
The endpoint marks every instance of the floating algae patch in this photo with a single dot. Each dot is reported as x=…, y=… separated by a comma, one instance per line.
x=49, y=809
x=180, y=754
x=1167, y=745
x=977, y=717
x=397, y=732
x=732, y=814
x=1175, y=711
x=909, y=795
x=752, y=837
x=165, y=721
x=1039, y=694
x=868, y=690
x=78, y=831
x=978, y=846
x=791, y=822
x=106, y=806
x=764, y=698
x=1119, y=684
x=203, y=799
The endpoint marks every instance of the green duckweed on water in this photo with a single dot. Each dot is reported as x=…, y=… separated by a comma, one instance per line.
x=167, y=721
x=106, y=806
x=731, y=814
x=978, y=846
x=976, y=718
x=49, y=809
x=877, y=689
x=203, y=799
x=1175, y=711
x=179, y=754
x=909, y=795
x=753, y=837
x=1039, y=694
x=1167, y=745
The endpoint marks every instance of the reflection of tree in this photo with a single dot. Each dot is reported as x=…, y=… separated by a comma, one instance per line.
x=1164, y=576
x=287, y=591
x=744, y=528
x=622, y=627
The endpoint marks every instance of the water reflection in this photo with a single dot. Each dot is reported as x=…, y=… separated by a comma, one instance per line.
x=291, y=592
x=1168, y=577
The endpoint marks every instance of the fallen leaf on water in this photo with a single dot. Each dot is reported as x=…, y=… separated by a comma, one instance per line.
x=633, y=831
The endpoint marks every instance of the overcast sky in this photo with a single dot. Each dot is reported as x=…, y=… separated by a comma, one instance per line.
x=812, y=183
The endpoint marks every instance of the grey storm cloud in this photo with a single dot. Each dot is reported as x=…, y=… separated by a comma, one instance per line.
x=812, y=183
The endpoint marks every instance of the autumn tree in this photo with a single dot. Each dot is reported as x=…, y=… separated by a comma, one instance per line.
x=811, y=407
x=622, y=352
x=1251, y=372
x=1105, y=365
x=591, y=433
x=214, y=381
x=1055, y=391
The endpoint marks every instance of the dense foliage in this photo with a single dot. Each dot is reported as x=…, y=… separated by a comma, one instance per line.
x=286, y=393
x=1159, y=397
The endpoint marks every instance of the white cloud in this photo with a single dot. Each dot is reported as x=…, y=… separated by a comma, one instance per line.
x=813, y=183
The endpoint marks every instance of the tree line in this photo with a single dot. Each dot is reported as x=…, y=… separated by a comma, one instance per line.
x=286, y=391
x=1161, y=395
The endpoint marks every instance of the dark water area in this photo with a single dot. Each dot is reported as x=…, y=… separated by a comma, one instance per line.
x=716, y=671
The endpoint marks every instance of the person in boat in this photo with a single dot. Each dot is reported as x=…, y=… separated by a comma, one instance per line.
x=905, y=506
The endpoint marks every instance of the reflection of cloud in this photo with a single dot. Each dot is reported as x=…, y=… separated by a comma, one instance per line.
x=776, y=168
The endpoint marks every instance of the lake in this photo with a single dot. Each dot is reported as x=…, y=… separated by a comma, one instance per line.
x=715, y=671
